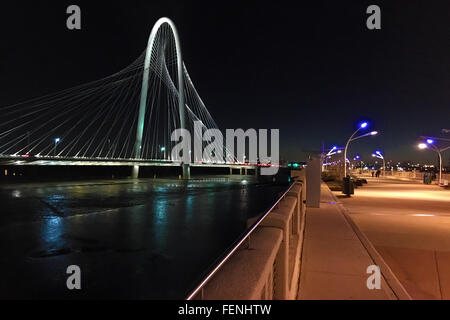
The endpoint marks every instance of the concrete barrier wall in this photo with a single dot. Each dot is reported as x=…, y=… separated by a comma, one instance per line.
x=268, y=265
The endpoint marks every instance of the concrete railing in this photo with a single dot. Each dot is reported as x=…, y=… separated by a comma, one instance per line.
x=266, y=263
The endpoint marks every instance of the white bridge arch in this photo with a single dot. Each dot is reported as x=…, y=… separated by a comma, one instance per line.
x=145, y=85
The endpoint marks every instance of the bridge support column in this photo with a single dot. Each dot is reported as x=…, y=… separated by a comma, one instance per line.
x=135, y=172
x=186, y=171
x=231, y=171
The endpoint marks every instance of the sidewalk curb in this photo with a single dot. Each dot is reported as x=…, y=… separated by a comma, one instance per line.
x=389, y=276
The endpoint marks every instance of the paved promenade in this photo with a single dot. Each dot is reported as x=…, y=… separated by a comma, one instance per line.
x=409, y=225
x=336, y=255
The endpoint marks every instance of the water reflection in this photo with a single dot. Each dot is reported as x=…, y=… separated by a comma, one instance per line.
x=189, y=208
x=16, y=194
x=154, y=238
x=52, y=231
x=160, y=210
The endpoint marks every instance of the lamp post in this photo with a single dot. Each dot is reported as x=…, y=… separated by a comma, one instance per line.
x=430, y=143
x=324, y=156
x=57, y=140
x=356, y=159
x=352, y=138
x=334, y=150
x=379, y=155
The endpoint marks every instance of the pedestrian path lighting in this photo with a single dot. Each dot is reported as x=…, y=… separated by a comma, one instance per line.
x=379, y=155
x=352, y=138
x=331, y=151
x=430, y=144
x=325, y=156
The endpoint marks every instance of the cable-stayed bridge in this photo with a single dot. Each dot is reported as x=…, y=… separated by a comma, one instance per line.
x=127, y=117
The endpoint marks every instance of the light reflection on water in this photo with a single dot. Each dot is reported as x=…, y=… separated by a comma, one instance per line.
x=189, y=208
x=160, y=212
x=154, y=238
x=52, y=230
x=16, y=194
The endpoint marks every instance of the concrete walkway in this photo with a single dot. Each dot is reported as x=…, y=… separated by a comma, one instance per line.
x=335, y=258
x=409, y=225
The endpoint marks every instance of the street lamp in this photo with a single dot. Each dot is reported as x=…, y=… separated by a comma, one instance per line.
x=352, y=138
x=356, y=159
x=430, y=144
x=162, y=149
x=57, y=140
x=334, y=150
x=379, y=155
x=331, y=151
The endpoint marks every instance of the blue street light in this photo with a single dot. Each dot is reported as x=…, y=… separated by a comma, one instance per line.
x=379, y=155
x=363, y=125
x=430, y=145
x=331, y=152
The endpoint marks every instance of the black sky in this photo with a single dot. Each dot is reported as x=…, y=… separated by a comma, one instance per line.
x=312, y=70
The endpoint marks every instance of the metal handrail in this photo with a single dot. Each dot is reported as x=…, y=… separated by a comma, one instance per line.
x=230, y=253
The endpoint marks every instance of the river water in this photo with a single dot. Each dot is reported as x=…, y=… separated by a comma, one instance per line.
x=144, y=239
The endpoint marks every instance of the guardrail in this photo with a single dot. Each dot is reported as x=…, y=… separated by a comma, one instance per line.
x=268, y=266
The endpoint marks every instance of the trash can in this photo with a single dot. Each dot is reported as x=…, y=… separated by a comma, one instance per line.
x=348, y=187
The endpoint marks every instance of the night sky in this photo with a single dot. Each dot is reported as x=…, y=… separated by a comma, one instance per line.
x=312, y=70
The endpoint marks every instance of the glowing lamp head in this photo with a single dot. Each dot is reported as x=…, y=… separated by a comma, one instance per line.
x=378, y=153
x=57, y=140
x=163, y=148
x=374, y=133
x=422, y=146
x=430, y=141
x=364, y=125
x=334, y=148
